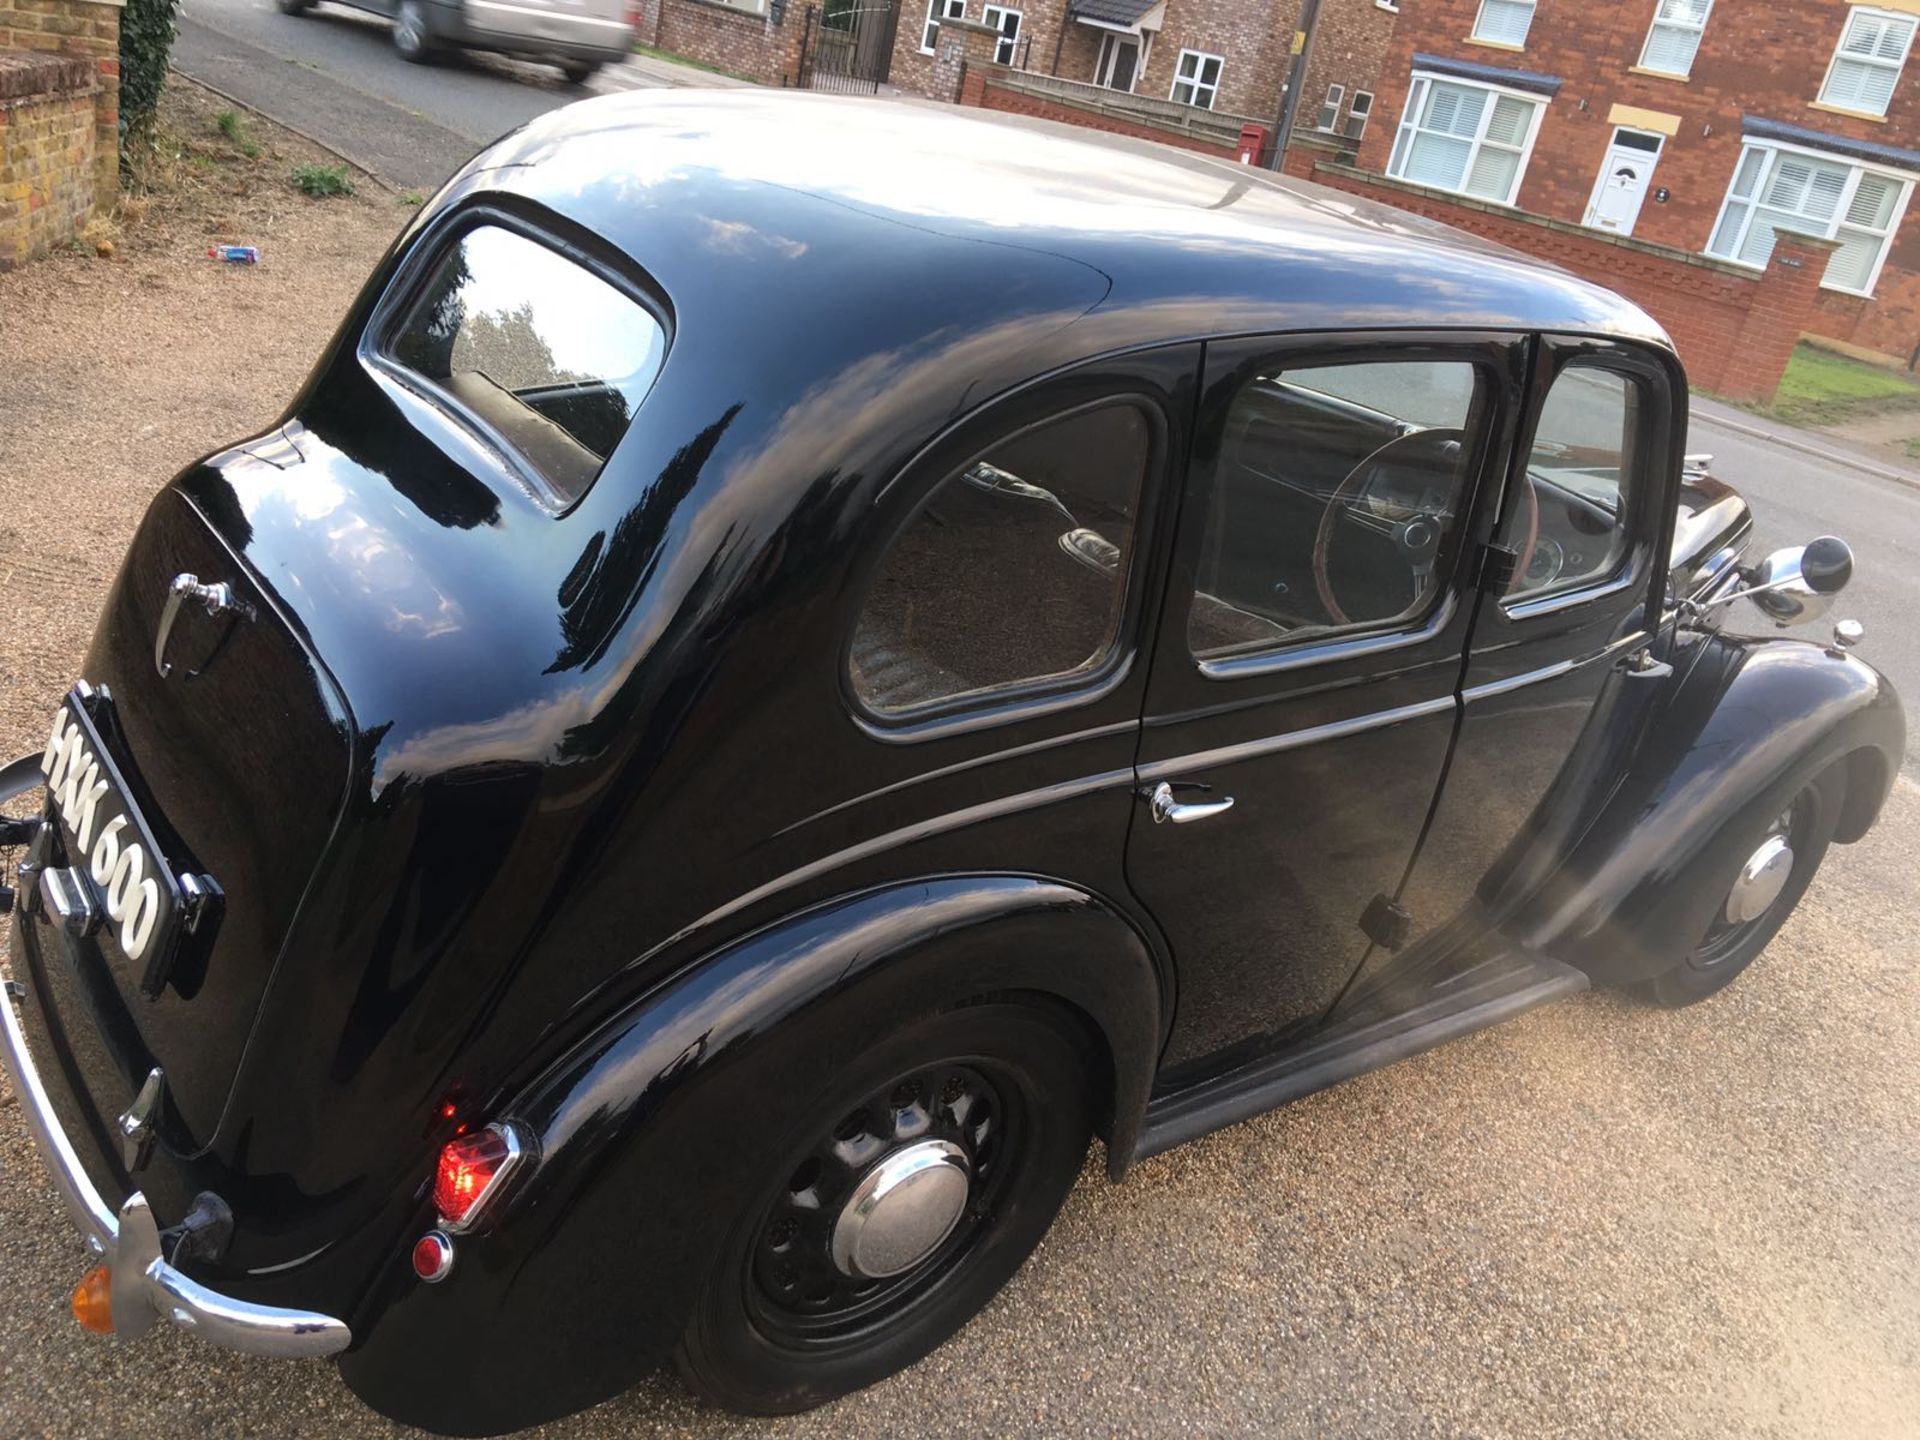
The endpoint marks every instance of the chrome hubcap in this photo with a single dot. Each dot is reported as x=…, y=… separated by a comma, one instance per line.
x=902, y=1210
x=1761, y=880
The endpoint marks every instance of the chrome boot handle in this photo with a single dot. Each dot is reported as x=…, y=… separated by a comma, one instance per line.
x=218, y=599
x=1166, y=808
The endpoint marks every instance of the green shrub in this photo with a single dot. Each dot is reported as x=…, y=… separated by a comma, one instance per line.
x=322, y=181
x=146, y=36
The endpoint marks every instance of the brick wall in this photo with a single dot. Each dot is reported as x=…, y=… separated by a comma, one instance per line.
x=90, y=30
x=1766, y=58
x=1254, y=38
x=756, y=46
x=1350, y=43
x=1005, y=95
x=1734, y=327
x=46, y=153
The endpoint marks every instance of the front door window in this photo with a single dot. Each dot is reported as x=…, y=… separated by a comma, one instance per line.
x=1335, y=507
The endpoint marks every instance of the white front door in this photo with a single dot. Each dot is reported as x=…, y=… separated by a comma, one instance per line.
x=1625, y=176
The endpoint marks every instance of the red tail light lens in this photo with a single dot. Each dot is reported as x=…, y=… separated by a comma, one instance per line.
x=471, y=1170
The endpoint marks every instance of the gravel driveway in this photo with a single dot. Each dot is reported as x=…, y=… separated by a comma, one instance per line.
x=1602, y=1219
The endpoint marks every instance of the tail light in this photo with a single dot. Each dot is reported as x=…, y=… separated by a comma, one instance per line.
x=471, y=1171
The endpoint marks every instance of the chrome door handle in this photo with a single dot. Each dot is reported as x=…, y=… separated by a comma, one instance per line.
x=1166, y=808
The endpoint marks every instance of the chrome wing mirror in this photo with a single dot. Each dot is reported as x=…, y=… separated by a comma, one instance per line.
x=1795, y=585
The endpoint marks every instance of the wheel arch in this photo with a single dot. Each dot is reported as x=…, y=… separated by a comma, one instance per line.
x=619, y=1130
x=1751, y=723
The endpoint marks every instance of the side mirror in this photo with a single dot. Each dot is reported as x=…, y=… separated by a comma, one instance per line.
x=1797, y=585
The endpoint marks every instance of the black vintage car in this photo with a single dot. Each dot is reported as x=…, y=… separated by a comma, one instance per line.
x=795, y=661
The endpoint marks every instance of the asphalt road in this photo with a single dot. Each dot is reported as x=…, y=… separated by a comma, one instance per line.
x=333, y=74
x=1796, y=497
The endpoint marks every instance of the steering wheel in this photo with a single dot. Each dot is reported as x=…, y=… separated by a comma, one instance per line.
x=1417, y=537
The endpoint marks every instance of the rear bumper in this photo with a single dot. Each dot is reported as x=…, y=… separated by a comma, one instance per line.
x=145, y=1288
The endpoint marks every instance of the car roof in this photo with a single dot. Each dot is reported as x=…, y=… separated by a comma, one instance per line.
x=1142, y=242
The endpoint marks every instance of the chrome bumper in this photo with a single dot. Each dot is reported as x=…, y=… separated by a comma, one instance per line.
x=144, y=1287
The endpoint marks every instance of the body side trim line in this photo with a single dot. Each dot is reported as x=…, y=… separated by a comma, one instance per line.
x=1293, y=740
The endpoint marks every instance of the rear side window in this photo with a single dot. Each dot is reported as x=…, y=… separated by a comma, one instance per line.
x=548, y=358
x=1014, y=572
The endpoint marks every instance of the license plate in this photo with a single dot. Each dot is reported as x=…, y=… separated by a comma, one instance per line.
x=110, y=847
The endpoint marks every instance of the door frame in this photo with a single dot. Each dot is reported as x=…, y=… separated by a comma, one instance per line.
x=1600, y=180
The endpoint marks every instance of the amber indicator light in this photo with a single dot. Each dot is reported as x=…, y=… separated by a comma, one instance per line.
x=93, y=1300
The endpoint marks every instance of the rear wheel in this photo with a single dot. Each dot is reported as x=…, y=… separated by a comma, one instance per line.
x=922, y=1179
x=1780, y=863
x=295, y=7
x=578, y=72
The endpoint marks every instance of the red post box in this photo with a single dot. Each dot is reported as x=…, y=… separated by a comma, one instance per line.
x=1253, y=143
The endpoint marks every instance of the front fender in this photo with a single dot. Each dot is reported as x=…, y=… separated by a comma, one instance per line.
x=647, y=1132
x=1749, y=723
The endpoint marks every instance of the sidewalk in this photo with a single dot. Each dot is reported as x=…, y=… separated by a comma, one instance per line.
x=653, y=72
x=1875, y=460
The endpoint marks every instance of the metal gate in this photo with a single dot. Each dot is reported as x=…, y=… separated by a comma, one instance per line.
x=848, y=46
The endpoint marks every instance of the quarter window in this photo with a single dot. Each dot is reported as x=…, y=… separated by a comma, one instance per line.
x=1504, y=22
x=1674, y=37
x=1575, y=526
x=1866, y=66
x=1014, y=572
x=1196, y=79
x=1335, y=504
x=938, y=10
x=1467, y=138
x=1775, y=189
x=550, y=360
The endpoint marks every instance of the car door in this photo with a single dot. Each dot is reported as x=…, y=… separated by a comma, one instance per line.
x=1301, y=703
x=1553, y=702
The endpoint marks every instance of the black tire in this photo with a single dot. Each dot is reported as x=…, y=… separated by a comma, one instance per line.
x=578, y=72
x=1718, y=957
x=295, y=7
x=413, y=33
x=758, y=1350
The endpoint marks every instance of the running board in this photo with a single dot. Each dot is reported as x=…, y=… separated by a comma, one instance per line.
x=1495, y=990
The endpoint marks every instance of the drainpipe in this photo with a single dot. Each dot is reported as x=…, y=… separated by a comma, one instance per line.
x=1296, y=78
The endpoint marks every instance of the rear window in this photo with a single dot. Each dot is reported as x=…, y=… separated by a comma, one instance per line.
x=547, y=357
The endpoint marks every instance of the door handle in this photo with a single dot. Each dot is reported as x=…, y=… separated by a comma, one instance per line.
x=1166, y=808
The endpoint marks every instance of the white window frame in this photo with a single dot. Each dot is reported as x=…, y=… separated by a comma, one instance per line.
x=1854, y=15
x=1356, y=111
x=1007, y=46
x=1109, y=54
x=1328, y=120
x=1193, y=82
x=939, y=10
x=1773, y=148
x=1480, y=15
x=1663, y=21
x=1417, y=90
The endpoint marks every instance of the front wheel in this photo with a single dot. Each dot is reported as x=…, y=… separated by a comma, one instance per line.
x=1779, y=865
x=923, y=1178
x=412, y=36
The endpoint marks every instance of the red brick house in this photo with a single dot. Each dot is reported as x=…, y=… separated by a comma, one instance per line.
x=1228, y=56
x=1704, y=126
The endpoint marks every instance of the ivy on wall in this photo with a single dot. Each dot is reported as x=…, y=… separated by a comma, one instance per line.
x=147, y=29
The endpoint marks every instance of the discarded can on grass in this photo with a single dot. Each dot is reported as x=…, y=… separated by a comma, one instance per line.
x=234, y=254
